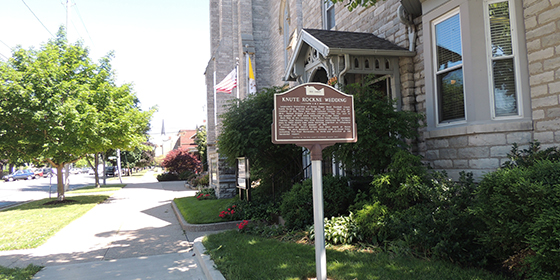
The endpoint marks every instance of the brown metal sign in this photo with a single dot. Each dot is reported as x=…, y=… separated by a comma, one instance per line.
x=313, y=113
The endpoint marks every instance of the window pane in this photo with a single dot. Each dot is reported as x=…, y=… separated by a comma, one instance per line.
x=500, y=29
x=451, y=99
x=505, y=96
x=448, y=42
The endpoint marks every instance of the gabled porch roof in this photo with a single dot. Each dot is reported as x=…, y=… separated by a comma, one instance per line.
x=333, y=43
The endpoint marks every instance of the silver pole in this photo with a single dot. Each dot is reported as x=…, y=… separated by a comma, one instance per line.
x=318, y=214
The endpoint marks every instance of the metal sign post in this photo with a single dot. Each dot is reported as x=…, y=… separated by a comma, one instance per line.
x=314, y=116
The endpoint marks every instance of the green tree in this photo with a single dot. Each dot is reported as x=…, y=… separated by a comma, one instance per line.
x=56, y=105
x=246, y=132
x=200, y=140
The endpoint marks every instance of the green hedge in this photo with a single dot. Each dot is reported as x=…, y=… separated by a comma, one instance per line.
x=297, y=204
x=521, y=210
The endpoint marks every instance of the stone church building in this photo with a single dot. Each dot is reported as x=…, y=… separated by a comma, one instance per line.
x=486, y=73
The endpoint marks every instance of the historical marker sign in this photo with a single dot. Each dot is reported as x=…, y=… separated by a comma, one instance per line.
x=313, y=113
x=314, y=116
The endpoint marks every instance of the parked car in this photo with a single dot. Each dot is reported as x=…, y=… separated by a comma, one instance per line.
x=37, y=173
x=48, y=172
x=75, y=171
x=110, y=171
x=19, y=175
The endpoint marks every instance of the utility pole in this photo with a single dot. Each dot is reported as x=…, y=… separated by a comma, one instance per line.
x=67, y=4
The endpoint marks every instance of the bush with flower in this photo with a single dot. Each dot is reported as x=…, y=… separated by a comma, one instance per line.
x=242, y=224
x=233, y=213
x=205, y=194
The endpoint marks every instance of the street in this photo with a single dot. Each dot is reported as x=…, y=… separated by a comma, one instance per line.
x=26, y=190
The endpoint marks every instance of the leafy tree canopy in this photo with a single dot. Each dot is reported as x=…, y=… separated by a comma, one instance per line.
x=57, y=105
x=353, y=4
x=382, y=130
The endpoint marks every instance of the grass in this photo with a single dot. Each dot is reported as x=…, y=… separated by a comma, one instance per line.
x=243, y=256
x=19, y=273
x=202, y=211
x=93, y=189
x=30, y=225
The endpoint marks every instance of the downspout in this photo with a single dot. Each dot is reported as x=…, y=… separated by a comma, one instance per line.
x=405, y=18
x=346, y=68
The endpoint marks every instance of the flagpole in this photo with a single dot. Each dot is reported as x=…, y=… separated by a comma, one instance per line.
x=215, y=104
x=247, y=72
x=237, y=74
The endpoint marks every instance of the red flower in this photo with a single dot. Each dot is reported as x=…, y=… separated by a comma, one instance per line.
x=232, y=212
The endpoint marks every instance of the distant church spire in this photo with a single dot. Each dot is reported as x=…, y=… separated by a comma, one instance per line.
x=162, y=127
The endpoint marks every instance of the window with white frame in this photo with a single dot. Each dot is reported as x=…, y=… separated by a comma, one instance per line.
x=501, y=52
x=448, y=56
x=328, y=14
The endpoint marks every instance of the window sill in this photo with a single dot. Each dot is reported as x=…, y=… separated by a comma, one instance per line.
x=466, y=129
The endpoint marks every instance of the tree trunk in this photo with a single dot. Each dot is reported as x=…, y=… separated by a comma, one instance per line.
x=60, y=182
x=96, y=170
x=66, y=177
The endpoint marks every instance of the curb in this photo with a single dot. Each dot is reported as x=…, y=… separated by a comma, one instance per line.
x=202, y=227
x=206, y=263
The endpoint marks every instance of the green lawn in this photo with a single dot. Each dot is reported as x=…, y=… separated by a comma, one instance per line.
x=246, y=257
x=30, y=225
x=202, y=211
x=93, y=189
x=19, y=273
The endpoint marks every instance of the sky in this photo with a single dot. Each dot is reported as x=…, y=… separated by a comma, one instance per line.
x=162, y=47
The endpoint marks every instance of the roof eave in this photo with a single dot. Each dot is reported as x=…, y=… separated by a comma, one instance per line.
x=342, y=51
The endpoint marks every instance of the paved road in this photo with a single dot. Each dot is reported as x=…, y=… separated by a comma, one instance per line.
x=25, y=190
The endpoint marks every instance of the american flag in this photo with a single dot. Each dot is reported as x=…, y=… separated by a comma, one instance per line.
x=228, y=83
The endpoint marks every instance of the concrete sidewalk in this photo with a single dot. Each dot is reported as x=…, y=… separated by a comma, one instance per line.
x=133, y=235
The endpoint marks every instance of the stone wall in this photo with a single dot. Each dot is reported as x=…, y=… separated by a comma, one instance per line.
x=542, y=26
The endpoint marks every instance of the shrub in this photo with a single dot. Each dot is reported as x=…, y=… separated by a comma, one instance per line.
x=232, y=213
x=262, y=229
x=521, y=210
x=181, y=160
x=201, y=180
x=528, y=157
x=205, y=194
x=370, y=219
x=403, y=185
x=339, y=230
x=429, y=212
x=297, y=204
x=260, y=208
x=186, y=175
x=167, y=176
x=382, y=130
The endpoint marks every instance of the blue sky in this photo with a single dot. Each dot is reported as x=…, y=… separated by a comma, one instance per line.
x=160, y=46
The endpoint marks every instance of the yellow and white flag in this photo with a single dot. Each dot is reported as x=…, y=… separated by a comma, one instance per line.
x=252, y=82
